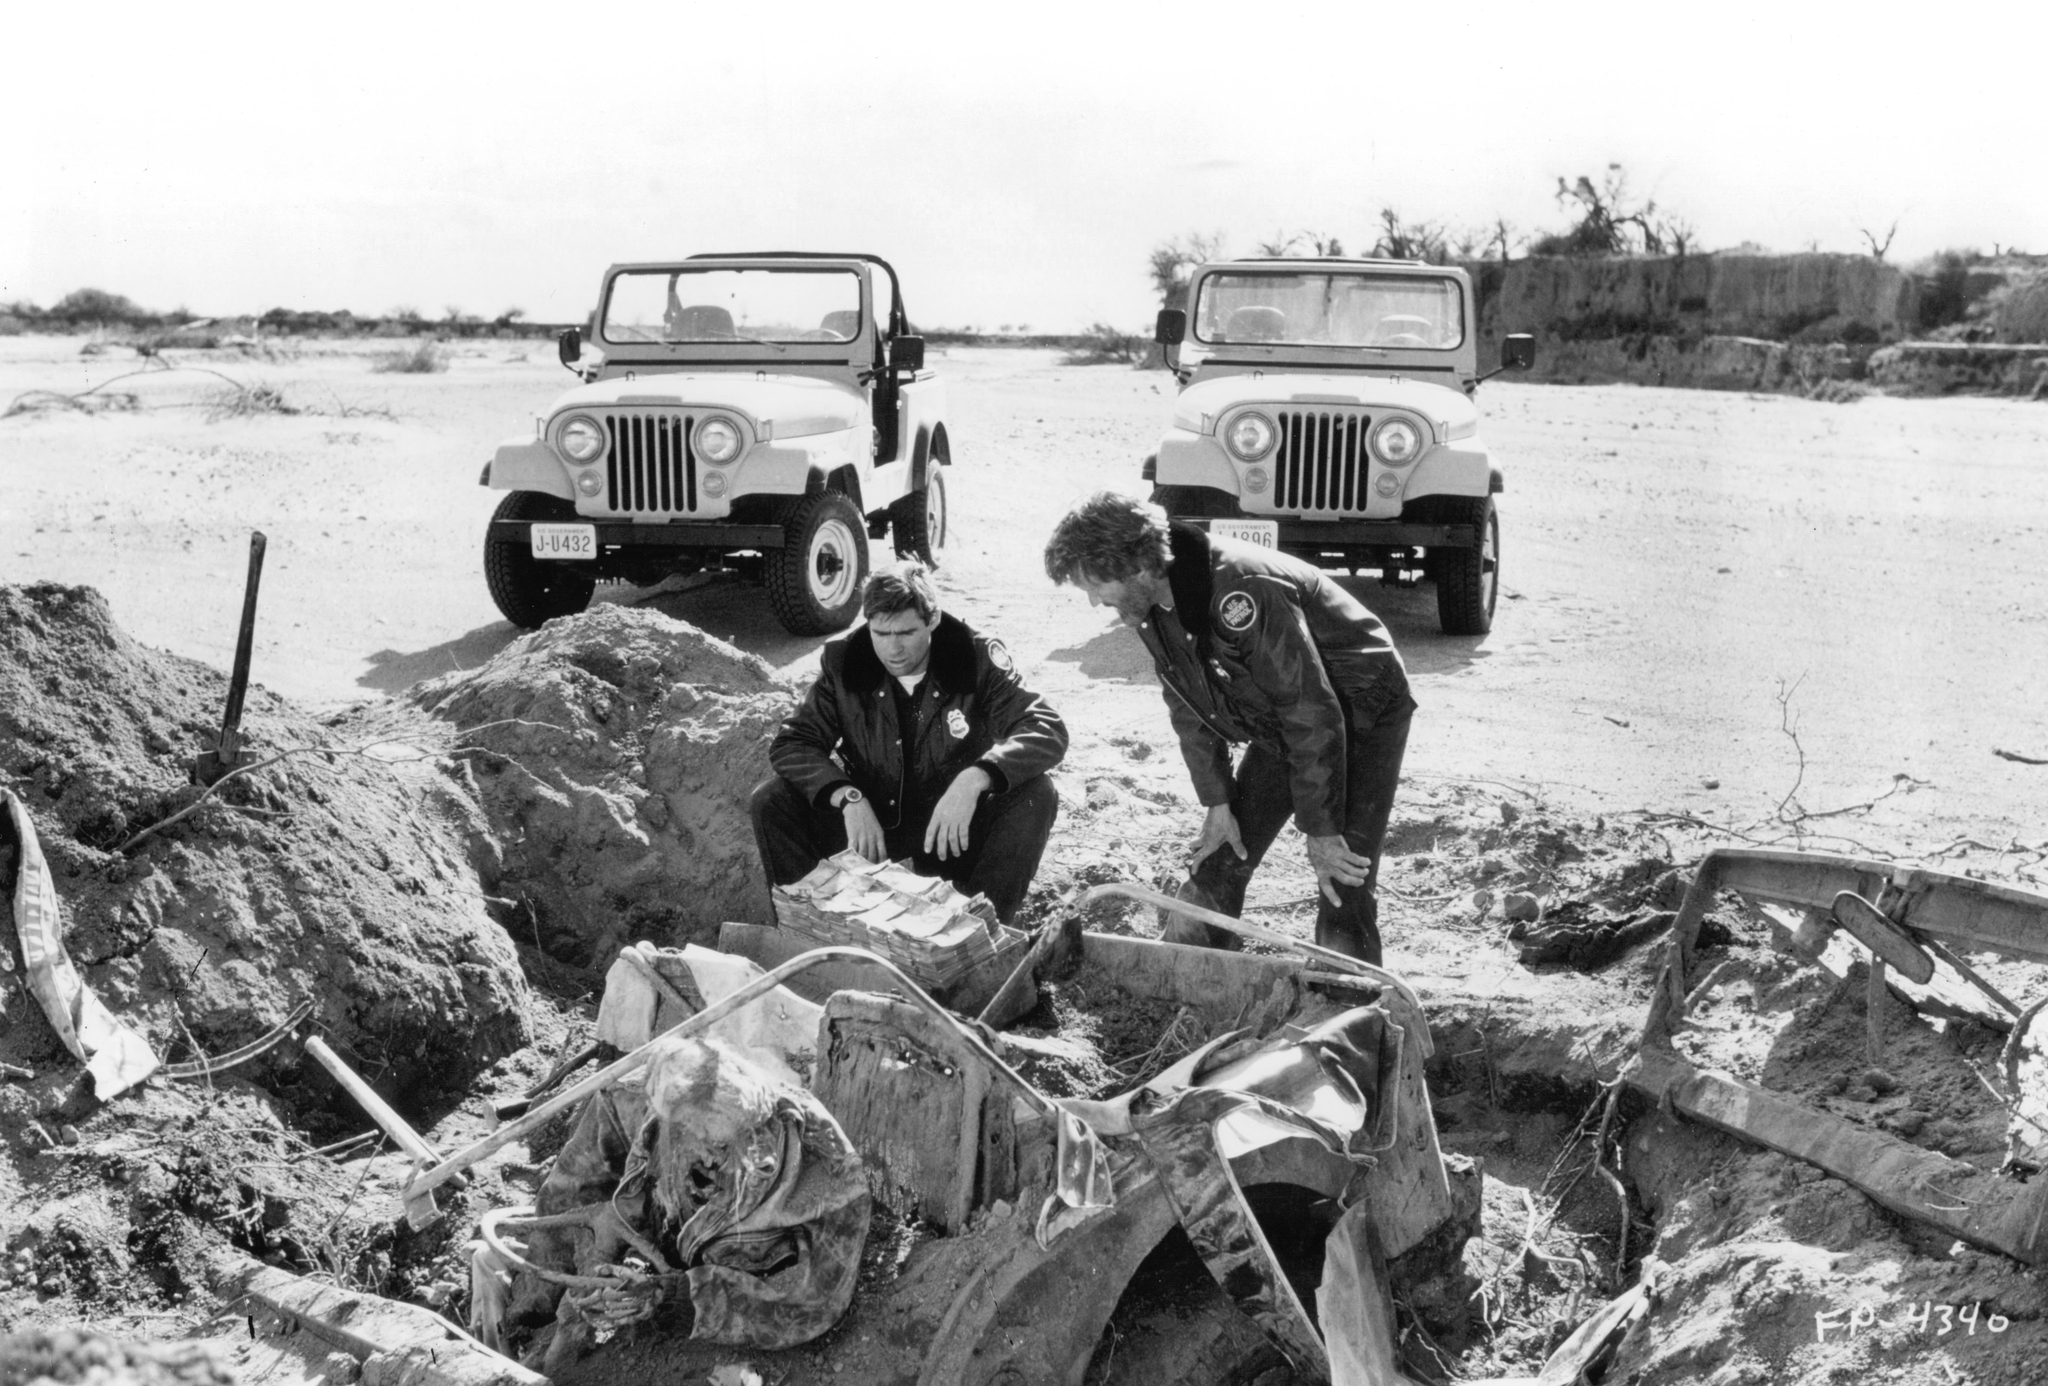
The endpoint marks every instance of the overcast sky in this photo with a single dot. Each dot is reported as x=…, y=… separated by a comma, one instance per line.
x=1015, y=163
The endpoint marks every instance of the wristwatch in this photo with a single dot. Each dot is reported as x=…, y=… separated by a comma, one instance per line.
x=853, y=796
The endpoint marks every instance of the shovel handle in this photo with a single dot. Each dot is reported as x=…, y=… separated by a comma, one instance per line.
x=238, y=682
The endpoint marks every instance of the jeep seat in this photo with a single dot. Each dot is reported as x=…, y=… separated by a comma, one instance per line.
x=1255, y=325
x=700, y=320
x=842, y=323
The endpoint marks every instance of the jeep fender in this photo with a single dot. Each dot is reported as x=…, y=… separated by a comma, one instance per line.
x=1452, y=471
x=525, y=464
x=1194, y=459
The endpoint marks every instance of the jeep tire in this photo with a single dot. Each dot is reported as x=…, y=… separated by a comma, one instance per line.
x=530, y=591
x=1468, y=580
x=814, y=579
x=917, y=523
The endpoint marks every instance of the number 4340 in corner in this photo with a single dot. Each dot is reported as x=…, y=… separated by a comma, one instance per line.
x=1926, y=1316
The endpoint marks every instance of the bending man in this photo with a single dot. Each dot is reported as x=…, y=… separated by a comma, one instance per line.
x=942, y=753
x=1256, y=647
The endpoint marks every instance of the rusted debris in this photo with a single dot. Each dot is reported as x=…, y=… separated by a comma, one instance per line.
x=1911, y=924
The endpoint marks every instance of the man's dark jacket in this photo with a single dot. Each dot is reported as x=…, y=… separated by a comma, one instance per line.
x=972, y=708
x=1270, y=650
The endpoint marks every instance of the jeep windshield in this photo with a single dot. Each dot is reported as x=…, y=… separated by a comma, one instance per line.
x=1395, y=312
x=767, y=307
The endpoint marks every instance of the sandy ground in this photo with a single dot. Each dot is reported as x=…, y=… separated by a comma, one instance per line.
x=1687, y=575
x=1675, y=564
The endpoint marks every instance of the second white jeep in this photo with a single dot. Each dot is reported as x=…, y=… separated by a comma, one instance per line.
x=1326, y=410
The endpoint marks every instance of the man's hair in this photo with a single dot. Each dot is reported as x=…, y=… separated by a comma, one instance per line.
x=905, y=586
x=1109, y=537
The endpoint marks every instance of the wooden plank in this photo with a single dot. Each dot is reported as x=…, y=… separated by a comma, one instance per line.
x=366, y=1325
x=912, y=1100
x=1883, y=938
x=771, y=947
x=1924, y=1185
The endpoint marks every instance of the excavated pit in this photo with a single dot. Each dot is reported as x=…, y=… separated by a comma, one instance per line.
x=399, y=866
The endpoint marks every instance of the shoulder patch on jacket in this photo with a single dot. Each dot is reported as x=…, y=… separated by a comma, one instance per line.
x=1237, y=611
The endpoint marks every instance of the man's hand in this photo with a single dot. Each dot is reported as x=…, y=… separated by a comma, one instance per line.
x=1218, y=828
x=946, y=835
x=863, y=829
x=1336, y=864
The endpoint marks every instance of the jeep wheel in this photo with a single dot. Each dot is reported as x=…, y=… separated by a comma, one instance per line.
x=1468, y=580
x=530, y=591
x=918, y=521
x=814, y=579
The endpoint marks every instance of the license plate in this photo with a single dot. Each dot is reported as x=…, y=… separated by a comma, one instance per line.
x=1264, y=533
x=564, y=541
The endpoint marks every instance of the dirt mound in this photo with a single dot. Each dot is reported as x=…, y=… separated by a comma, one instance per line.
x=622, y=748
x=334, y=874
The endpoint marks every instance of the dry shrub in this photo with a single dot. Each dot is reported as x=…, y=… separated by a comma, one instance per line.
x=1103, y=345
x=247, y=401
x=426, y=358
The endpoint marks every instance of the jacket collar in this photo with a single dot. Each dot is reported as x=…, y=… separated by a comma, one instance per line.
x=951, y=666
x=1191, y=581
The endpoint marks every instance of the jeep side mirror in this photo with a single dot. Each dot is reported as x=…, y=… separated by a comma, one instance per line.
x=1517, y=351
x=1172, y=327
x=570, y=346
x=906, y=353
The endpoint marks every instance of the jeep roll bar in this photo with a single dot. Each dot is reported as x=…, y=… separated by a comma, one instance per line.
x=899, y=323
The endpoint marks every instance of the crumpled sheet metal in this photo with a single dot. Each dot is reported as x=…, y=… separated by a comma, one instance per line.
x=738, y=1192
x=117, y=1057
x=1325, y=1085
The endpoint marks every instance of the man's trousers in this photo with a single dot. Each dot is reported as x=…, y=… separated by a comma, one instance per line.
x=1263, y=802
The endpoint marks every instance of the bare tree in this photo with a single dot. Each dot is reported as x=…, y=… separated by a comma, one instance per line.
x=1174, y=262
x=1278, y=244
x=1503, y=240
x=1879, y=245
x=1611, y=222
x=1409, y=240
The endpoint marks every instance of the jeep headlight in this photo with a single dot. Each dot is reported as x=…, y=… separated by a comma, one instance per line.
x=1397, y=442
x=1249, y=437
x=718, y=441
x=582, y=439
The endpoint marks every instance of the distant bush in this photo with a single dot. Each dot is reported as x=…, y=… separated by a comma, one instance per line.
x=425, y=359
x=1945, y=293
x=97, y=305
x=1104, y=345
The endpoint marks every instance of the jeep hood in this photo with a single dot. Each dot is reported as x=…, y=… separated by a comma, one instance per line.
x=1450, y=411
x=797, y=405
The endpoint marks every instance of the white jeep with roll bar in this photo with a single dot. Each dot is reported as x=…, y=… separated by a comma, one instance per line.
x=767, y=412
x=1326, y=411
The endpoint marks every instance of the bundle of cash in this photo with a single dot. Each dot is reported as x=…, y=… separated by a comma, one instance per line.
x=921, y=923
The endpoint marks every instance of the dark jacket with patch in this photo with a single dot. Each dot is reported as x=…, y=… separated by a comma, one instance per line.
x=1262, y=647
x=971, y=709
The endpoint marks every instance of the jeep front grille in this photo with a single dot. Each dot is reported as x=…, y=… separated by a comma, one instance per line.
x=649, y=466
x=1321, y=460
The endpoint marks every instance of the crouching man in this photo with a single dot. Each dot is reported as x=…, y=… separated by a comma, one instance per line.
x=942, y=753
x=1257, y=648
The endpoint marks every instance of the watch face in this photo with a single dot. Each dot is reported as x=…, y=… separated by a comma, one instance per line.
x=853, y=796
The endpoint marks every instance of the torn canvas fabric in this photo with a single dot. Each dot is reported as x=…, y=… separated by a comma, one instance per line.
x=117, y=1057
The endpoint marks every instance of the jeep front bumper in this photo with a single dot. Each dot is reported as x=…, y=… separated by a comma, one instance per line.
x=1333, y=535
x=679, y=534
